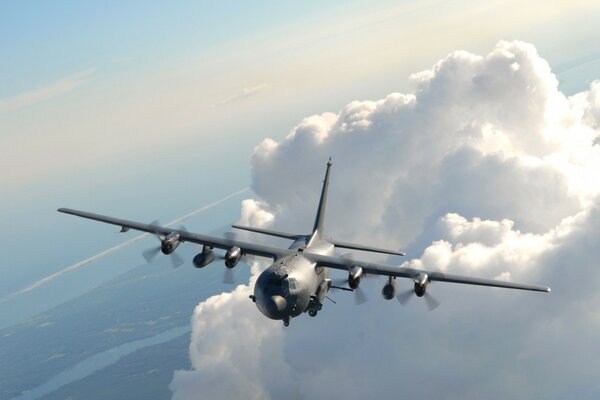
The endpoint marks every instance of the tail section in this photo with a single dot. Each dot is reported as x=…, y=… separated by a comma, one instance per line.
x=319, y=226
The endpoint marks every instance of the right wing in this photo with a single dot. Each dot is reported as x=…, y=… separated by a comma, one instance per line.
x=389, y=270
x=352, y=246
x=270, y=232
x=185, y=236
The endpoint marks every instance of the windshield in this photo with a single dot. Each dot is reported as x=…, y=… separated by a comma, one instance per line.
x=277, y=285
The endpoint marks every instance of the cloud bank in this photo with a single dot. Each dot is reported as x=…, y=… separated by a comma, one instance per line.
x=486, y=168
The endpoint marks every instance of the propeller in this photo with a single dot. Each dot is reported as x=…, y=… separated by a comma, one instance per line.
x=151, y=253
x=432, y=302
x=405, y=296
x=360, y=297
x=229, y=276
x=234, y=236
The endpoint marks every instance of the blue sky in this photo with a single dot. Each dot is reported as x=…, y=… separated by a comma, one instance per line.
x=48, y=40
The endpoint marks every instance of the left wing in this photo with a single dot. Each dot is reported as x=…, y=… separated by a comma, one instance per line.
x=415, y=274
x=185, y=236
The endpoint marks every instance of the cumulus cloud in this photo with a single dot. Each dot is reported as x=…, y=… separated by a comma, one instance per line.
x=227, y=363
x=487, y=169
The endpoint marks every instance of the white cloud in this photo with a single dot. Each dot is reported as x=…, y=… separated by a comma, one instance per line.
x=485, y=169
x=43, y=93
x=226, y=364
x=253, y=213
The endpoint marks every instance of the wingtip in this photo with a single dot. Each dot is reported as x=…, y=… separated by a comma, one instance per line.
x=548, y=290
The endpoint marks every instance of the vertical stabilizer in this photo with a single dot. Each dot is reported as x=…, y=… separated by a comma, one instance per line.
x=320, y=218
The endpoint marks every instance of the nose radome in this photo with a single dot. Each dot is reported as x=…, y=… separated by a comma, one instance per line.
x=276, y=306
x=280, y=302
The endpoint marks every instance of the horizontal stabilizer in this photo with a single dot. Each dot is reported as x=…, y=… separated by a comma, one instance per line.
x=285, y=235
x=352, y=246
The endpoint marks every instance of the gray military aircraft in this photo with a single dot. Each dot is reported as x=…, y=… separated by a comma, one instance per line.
x=298, y=280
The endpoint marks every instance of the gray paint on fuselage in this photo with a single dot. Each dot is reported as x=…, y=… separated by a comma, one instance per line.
x=284, y=290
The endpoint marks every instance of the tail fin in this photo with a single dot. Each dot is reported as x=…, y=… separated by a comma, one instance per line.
x=321, y=211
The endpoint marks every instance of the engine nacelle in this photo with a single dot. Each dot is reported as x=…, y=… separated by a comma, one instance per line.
x=354, y=277
x=233, y=256
x=170, y=243
x=389, y=290
x=421, y=283
x=203, y=259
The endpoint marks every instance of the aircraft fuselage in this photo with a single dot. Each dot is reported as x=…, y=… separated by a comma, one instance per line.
x=293, y=284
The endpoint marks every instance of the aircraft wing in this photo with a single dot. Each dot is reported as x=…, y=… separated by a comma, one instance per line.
x=185, y=236
x=389, y=270
x=353, y=246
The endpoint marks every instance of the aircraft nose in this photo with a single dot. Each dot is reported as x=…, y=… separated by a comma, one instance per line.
x=276, y=306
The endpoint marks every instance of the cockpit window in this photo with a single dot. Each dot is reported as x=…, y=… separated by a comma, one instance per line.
x=274, y=282
x=292, y=282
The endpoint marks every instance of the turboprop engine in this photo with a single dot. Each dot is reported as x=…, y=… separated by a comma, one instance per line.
x=354, y=277
x=169, y=243
x=233, y=256
x=421, y=282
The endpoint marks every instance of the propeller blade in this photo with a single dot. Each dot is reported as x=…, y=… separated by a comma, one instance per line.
x=432, y=302
x=339, y=282
x=404, y=297
x=156, y=222
x=150, y=254
x=246, y=258
x=176, y=260
x=228, y=276
x=359, y=296
x=182, y=228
